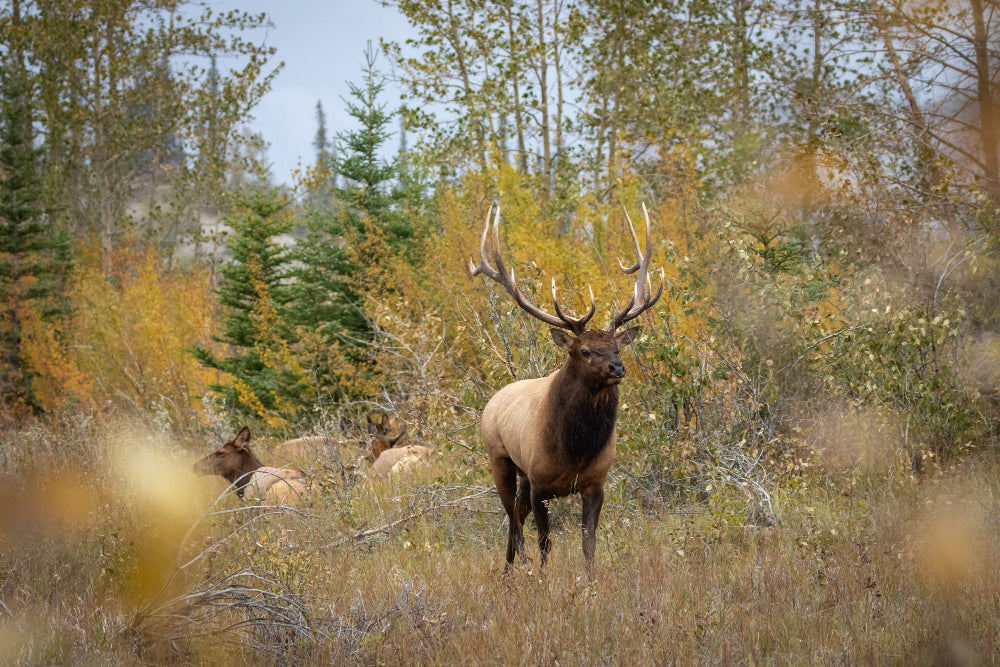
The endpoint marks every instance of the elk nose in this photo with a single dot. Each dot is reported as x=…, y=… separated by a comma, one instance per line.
x=617, y=369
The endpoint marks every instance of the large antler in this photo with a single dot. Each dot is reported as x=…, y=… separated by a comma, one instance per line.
x=491, y=238
x=642, y=299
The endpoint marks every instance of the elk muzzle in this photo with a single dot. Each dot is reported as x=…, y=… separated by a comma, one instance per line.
x=204, y=466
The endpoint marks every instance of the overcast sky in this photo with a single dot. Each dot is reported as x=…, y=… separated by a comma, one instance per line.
x=322, y=44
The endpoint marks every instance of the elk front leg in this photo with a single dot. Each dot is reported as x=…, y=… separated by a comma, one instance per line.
x=523, y=508
x=540, y=509
x=593, y=500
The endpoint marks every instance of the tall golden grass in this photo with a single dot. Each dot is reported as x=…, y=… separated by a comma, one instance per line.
x=112, y=551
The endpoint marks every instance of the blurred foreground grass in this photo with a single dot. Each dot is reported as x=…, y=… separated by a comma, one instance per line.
x=112, y=551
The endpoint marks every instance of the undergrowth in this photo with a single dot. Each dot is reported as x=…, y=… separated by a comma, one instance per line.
x=116, y=553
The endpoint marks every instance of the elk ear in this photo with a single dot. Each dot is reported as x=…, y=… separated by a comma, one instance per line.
x=242, y=438
x=562, y=338
x=628, y=335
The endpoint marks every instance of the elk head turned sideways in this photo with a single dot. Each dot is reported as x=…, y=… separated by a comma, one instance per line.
x=237, y=463
x=554, y=436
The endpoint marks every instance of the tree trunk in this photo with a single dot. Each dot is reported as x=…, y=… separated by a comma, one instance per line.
x=522, y=153
x=741, y=69
x=460, y=55
x=928, y=155
x=988, y=127
x=543, y=97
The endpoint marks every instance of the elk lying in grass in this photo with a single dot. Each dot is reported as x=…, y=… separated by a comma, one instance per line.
x=240, y=466
x=398, y=460
x=388, y=454
x=306, y=448
x=379, y=438
x=393, y=455
x=556, y=434
x=313, y=447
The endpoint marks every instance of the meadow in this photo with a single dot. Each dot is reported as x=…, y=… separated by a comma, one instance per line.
x=113, y=552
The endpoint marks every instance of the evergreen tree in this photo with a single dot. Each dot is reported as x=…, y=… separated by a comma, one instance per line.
x=28, y=270
x=326, y=308
x=254, y=297
x=322, y=195
x=410, y=196
x=368, y=193
x=320, y=142
x=348, y=242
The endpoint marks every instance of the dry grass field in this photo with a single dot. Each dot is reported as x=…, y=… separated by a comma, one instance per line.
x=113, y=552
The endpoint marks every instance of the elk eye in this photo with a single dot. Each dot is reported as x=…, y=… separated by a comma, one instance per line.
x=584, y=352
x=219, y=453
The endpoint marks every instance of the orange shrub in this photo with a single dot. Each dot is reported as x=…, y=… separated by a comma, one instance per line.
x=125, y=344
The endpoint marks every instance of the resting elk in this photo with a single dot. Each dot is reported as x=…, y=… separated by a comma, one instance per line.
x=240, y=466
x=393, y=454
x=556, y=435
x=306, y=448
x=379, y=438
x=313, y=447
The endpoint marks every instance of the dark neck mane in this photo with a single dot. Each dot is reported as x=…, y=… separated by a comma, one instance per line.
x=241, y=477
x=582, y=418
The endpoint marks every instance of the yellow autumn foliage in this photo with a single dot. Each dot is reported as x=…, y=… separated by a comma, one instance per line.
x=580, y=249
x=125, y=344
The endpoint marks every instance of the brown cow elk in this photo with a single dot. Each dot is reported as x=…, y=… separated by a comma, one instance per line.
x=240, y=466
x=380, y=440
x=305, y=449
x=393, y=454
x=556, y=435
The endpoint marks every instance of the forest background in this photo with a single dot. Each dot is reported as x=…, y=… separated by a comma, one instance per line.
x=823, y=184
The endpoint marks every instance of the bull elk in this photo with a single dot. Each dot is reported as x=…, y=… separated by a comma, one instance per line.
x=556, y=435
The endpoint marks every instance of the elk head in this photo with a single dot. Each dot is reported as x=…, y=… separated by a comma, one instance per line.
x=234, y=460
x=380, y=440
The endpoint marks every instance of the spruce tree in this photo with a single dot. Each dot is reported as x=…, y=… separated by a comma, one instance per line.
x=368, y=193
x=28, y=270
x=347, y=245
x=322, y=195
x=321, y=143
x=327, y=309
x=410, y=199
x=254, y=297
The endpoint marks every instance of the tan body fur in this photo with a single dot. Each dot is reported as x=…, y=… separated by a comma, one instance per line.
x=388, y=454
x=397, y=460
x=307, y=448
x=510, y=429
x=277, y=486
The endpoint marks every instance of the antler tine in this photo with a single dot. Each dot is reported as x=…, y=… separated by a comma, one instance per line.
x=484, y=266
x=641, y=300
x=579, y=322
x=635, y=241
x=506, y=280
